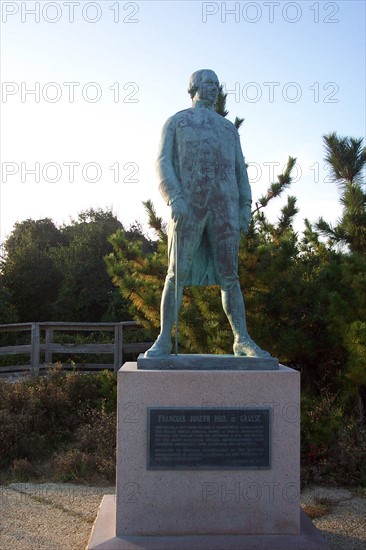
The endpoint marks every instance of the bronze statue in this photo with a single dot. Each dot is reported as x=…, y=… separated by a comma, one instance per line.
x=203, y=178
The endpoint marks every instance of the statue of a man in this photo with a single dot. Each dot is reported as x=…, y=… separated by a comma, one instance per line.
x=204, y=180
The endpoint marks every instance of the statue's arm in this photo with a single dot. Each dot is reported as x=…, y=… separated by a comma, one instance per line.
x=169, y=185
x=245, y=192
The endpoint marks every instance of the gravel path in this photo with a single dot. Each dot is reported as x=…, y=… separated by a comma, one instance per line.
x=344, y=526
x=60, y=516
x=50, y=516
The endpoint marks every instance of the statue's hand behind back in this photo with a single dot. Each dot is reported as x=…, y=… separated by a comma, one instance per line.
x=245, y=216
x=179, y=210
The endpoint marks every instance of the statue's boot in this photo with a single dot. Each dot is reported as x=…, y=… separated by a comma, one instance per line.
x=163, y=344
x=233, y=303
x=248, y=348
x=161, y=347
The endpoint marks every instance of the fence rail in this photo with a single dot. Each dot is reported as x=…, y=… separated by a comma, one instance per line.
x=42, y=342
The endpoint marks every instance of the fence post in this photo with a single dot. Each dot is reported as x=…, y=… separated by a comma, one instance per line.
x=118, y=343
x=49, y=340
x=35, y=349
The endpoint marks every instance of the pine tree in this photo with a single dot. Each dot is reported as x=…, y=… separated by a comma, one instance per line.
x=346, y=158
x=138, y=274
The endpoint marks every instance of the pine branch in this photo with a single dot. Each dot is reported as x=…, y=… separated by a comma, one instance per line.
x=155, y=221
x=335, y=235
x=309, y=235
x=220, y=105
x=276, y=189
x=324, y=227
x=287, y=213
x=346, y=158
x=238, y=122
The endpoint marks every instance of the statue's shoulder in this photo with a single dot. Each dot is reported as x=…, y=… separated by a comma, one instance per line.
x=227, y=124
x=179, y=116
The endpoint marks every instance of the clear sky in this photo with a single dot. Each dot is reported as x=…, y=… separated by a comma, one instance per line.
x=106, y=75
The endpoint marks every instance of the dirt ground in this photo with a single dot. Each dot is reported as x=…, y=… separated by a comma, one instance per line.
x=60, y=516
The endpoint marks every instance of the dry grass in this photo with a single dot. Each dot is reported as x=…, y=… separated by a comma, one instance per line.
x=319, y=508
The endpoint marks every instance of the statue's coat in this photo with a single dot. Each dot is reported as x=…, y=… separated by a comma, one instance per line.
x=200, y=160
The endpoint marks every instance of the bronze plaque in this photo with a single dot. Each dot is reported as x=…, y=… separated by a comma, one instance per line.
x=196, y=438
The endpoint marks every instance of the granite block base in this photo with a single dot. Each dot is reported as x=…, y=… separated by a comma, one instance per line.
x=220, y=501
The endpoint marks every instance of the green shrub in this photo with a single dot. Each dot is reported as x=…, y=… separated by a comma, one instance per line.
x=91, y=454
x=72, y=465
x=64, y=418
x=347, y=454
x=23, y=470
x=321, y=419
x=333, y=443
x=97, y=438
x=63, y=426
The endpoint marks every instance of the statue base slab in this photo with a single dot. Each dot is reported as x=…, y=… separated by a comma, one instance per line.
x=206, y=362
x=103, y=537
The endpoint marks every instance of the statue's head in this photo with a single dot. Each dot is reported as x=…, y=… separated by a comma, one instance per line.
x=204, y=85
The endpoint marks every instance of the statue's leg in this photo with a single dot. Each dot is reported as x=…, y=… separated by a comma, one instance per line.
x=188, y=242
x=233, y=304
x=227, y=250
x=163, y=344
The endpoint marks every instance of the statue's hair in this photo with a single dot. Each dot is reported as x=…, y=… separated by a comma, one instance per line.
x=196, y=79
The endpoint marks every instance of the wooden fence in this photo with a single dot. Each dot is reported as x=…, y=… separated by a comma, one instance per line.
x=42, y=342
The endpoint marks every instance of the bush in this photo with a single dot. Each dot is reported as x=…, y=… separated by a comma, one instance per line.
x=92, y=454
x=23, y=470
x=72, y=465
x=347, y=455
x=320, y=421
x=59, y=420
x=333, y=443
x=63, y=427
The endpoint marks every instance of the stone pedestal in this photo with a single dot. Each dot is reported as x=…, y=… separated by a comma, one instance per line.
x=168, y=502
x=231, y=508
